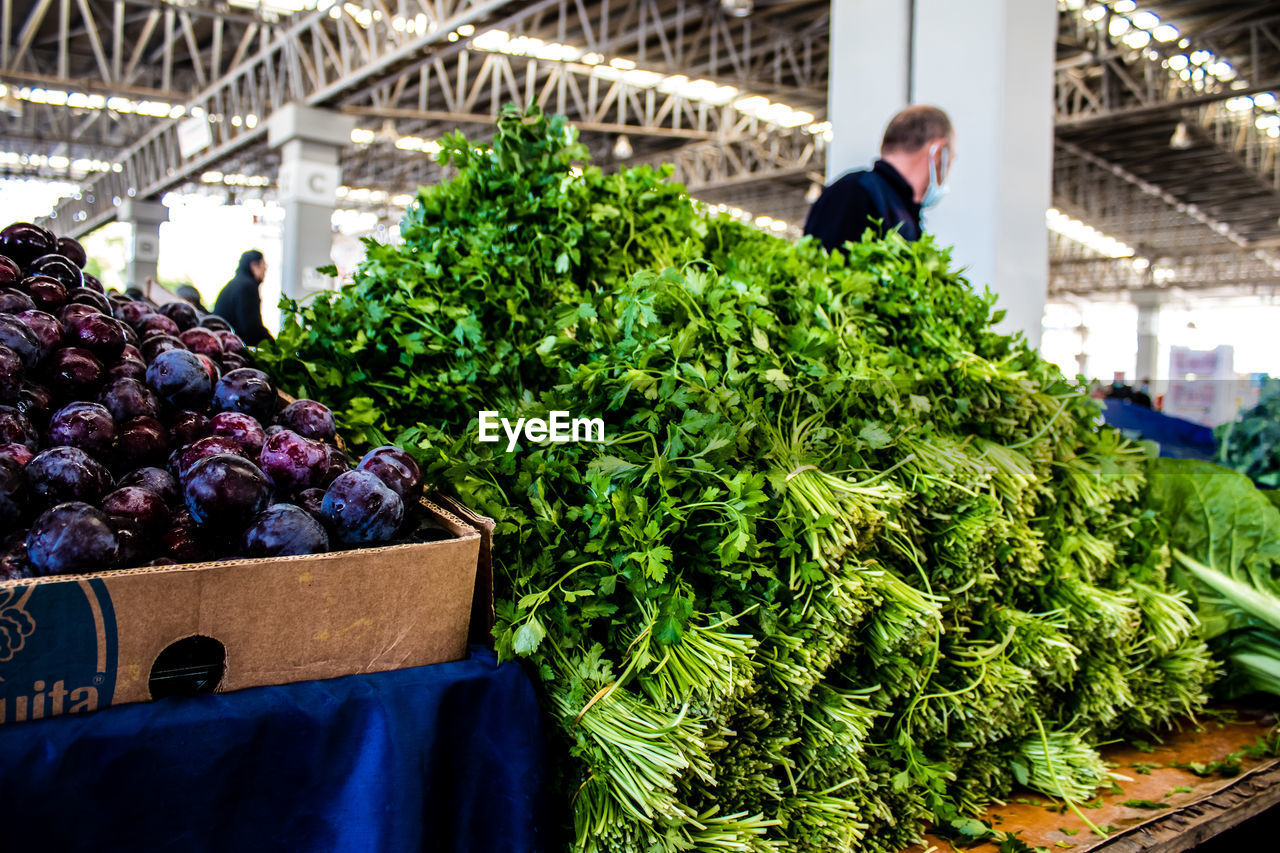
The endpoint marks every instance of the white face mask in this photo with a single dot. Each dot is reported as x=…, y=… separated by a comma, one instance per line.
x=936, y=190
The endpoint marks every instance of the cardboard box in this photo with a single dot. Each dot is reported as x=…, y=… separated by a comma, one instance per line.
x=74, y=644
x=482, y=613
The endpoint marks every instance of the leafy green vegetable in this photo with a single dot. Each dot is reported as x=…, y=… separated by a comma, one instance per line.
x=1144, y=804
x=1226, y=538
x=1251, y=444
x=1266, y=746
x=848, y=559
x=1013, y=843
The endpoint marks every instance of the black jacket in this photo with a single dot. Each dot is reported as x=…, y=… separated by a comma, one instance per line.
x=857, y=199
x=241, y=306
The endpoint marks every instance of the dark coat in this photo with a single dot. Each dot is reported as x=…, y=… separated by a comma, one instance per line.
x=240, y=304
x=878, y=197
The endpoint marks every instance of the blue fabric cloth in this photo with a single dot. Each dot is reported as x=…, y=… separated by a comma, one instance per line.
x=439, y=758
x=1178, y=439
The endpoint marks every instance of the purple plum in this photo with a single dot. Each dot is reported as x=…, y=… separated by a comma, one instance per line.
x=73, y=372
x=284, y=530
x=88, y=426
x=180, y=378
x=225, y=491
x=292, y=462
x=129, y=398
x=309, y=419
x=139, y=508
x=16, y=428
x=71, y=537
x=397, y=469
x=15, y=335
x=156, y=480
x=246, y=390
x=243, y=429
x=70, y=248
x=59, y=268
x=361, y=509
x=141, y=441
x=67, y=474
x=24, y=242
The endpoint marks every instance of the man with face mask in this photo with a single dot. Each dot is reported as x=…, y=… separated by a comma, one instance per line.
x=916, y=154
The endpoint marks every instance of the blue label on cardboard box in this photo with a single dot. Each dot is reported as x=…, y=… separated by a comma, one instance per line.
x=57, y=649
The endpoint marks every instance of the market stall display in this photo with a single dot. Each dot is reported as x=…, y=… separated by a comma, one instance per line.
x=845, y=561
x=171, y=524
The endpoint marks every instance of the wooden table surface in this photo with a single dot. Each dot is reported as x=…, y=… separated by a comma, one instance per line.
x=1195, y=808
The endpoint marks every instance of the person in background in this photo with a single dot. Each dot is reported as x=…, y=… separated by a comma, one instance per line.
x=240, y=304
x=1142, y=394
x=192, y=295
x=916, y=154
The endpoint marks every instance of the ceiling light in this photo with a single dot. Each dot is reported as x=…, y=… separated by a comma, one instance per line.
x=1146, y=20
x=1165, y=32
x=738, y=8
x=1181, y=139
x=622, y=149
x=1124, y=6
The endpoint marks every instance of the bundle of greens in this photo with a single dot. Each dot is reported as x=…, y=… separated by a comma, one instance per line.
x=1251, y=443
x=848, y=560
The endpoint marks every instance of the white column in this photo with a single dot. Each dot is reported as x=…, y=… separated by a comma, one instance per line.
x=989, y=64
x=309, y=140
x=143, y=257
x=1148, y=360
x=869, y=75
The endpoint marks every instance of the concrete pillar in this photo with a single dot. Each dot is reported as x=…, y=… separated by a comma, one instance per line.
x=989, y=64
x=869, y=78
x=309, y=141
x=143, y=257
x=1148, y=360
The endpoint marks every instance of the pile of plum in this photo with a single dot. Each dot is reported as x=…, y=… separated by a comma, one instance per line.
x=137, y=434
